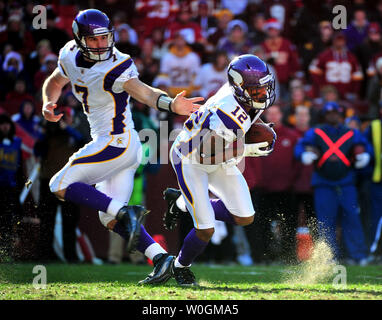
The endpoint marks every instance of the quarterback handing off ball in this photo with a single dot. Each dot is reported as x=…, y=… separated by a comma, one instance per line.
x=260, y=132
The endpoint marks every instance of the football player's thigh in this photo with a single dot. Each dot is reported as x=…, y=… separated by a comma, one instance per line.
x=193, y=182
x=233, y=190
x=118, y=187
x=96, y=162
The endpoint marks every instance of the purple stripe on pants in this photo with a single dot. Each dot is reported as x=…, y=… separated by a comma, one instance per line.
x=179, y=173
x=109, y=153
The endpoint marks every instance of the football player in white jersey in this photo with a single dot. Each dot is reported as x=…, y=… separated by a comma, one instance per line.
x=103, y=79
x=206, y=148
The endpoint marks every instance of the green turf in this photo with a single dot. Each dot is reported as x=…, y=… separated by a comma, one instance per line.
x=216, y=282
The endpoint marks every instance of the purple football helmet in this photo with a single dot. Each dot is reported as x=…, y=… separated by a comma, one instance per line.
x=252, y=83
x=93, y=22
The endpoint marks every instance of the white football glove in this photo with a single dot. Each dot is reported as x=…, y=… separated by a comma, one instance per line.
x=253, y=149
x=308, y=157
x=231, y=162
x=362, y=160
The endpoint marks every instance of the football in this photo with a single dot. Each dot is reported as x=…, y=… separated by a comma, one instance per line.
x=259, y=132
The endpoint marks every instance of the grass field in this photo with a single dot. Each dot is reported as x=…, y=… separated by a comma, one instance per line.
x=217, y=282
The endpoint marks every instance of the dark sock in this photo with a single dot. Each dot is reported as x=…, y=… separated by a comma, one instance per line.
x=145, y=240
x=192, y=247
x=88, y=196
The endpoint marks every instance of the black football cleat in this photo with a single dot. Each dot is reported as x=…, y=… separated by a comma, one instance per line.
x=173, y=213
x=132, y=218
x=162, y=269
x=184, y=276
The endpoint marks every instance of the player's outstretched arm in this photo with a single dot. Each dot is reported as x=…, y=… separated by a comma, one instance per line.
x=51, y=91
x=159, y=99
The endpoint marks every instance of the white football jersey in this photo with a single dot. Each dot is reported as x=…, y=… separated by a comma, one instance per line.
x=98, y=86
x=181, y=71
x=210, y=80
x=222, y=114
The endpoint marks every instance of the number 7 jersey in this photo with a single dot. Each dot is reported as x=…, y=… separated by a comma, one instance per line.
x=99, y=87
x=222, y=114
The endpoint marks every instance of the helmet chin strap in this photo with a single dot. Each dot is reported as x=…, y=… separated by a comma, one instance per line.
x=98, y=57
x=259, y=112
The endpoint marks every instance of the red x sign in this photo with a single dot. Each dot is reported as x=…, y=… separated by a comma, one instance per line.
x=334, y=146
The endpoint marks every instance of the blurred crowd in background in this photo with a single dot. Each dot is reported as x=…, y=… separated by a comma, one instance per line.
x=187, y=45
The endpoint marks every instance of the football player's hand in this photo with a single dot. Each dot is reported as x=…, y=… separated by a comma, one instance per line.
x=48, y=112
x=185, y=106
x=254, y=149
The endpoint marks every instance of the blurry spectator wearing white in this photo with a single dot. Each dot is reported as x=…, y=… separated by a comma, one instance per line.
x=212, y=75
x=180, y=65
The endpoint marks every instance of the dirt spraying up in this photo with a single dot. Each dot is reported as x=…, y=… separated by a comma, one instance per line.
x=315, y=270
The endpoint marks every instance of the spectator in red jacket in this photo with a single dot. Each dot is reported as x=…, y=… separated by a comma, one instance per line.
x=282, y=54
x=184, y=24
x=272, y=193
x=339, y=67
x=154, y=14
x=16, y=97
